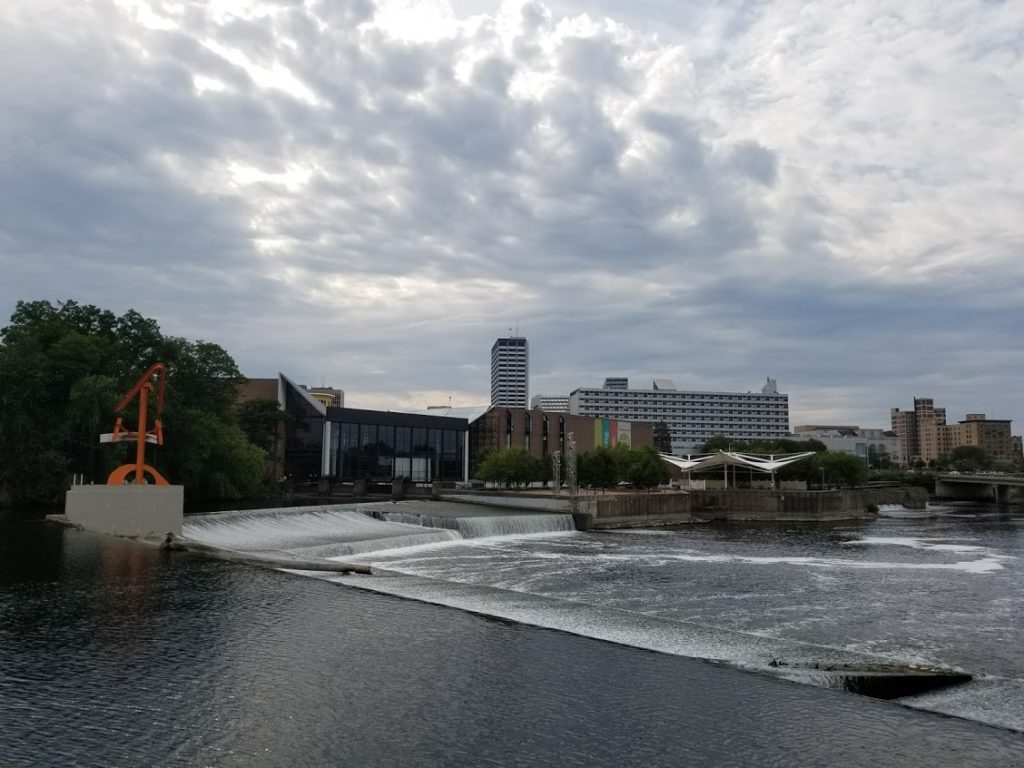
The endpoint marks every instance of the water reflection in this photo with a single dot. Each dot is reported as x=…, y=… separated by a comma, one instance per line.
x=127, y=656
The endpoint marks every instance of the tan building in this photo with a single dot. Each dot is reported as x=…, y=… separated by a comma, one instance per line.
x=924, y=435
x=921, y=431
x=991, y=434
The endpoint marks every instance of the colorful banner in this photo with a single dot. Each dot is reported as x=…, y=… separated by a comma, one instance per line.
x=610, y=433
x=625, y=434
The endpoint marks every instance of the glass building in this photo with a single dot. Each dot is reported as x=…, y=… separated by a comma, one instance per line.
x=347, y=444
x=385, y=445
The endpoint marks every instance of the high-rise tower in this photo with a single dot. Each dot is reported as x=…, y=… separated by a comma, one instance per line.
x=510, y=372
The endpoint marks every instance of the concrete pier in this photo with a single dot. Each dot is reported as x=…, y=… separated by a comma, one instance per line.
x=127, y=510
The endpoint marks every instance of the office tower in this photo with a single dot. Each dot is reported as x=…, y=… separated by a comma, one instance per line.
x=510, y=372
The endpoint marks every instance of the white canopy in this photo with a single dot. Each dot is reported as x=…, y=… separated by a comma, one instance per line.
x=758, y=462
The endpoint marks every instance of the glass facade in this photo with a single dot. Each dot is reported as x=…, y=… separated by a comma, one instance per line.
x=378, y=446
x=304, y=438
x=384, y=452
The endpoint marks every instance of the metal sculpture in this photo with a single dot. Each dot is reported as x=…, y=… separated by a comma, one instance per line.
x=556, y=472
x=142, y=433
x=570, y=462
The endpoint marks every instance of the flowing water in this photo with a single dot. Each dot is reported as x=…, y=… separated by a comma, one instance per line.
x=113, y=653
x=940, y=587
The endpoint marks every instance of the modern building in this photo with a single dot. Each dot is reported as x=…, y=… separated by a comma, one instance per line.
x=874, y=446
x=510, y=372
x=924, y=435
x=341, y=445
x=1018, y=447
x=692, y=417
x=328, y=444
x=553, y=403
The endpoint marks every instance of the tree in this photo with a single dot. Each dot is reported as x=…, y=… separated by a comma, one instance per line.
x=968, y=458
x=64, y=366
x=598, y=468
x=512, y=467
x=662, y=438
x=844, y=469
x=718, y=443
x=641, y=467
x=261, y=420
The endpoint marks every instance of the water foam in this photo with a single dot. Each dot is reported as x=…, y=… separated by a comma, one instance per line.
x=337, y=531
x=312, y=532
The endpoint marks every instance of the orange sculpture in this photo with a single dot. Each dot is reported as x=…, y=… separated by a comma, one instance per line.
x=141, y=435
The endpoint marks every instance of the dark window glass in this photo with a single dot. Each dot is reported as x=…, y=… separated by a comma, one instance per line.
x=304, y=438
x=403, y=441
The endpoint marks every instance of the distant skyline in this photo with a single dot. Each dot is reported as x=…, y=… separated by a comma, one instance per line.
x=369, y=193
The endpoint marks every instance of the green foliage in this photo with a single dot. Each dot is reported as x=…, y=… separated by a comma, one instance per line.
x=511, y=467
x=598, y=468
x=662, y=438
x=966, y=458
x=842, y=469
x=64, y=366
x=718, y=443
x=260, y=420
x=640, y=467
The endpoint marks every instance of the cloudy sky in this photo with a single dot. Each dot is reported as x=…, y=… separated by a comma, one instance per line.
x=367, y=193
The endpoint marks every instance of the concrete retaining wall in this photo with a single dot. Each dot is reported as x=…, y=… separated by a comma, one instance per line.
x=910, y=496
x=629, y=510
x=127, y=510
x=632, y=510
x=779, y=505
x=514, y=501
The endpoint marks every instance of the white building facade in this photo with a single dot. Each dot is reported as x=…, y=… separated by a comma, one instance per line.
x=550, y=403
x=692, y=417
x=873, y=446
x=510, y=372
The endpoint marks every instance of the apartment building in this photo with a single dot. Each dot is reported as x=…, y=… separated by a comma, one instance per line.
x=924, y=434
x=692, y=417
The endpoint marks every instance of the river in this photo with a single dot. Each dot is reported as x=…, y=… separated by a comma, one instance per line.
x=113, y=653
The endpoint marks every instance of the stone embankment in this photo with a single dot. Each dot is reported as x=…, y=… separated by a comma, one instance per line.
x=633, y=510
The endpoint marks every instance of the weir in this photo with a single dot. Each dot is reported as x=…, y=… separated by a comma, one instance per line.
x=315, y=539
x=326, y=532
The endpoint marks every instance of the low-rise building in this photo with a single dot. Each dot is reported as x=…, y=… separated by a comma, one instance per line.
x=874, y=446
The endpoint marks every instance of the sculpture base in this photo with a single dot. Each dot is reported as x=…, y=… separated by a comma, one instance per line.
x=127, y=510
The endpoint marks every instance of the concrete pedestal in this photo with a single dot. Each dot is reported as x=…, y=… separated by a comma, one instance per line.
x=127, y=510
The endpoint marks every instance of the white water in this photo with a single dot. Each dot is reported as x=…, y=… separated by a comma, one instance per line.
x=334, y=531
x=941, y=589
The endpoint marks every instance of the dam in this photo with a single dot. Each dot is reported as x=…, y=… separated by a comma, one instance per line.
x=433, y=552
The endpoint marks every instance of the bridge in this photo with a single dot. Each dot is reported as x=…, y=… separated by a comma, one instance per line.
x=977, y=486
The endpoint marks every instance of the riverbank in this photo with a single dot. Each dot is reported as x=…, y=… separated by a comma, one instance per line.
x=628, y=509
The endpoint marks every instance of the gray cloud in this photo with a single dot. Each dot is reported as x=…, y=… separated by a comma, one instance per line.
x=713, y=194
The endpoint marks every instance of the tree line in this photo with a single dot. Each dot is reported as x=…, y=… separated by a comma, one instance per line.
x=601, y=467
x=63, y=368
